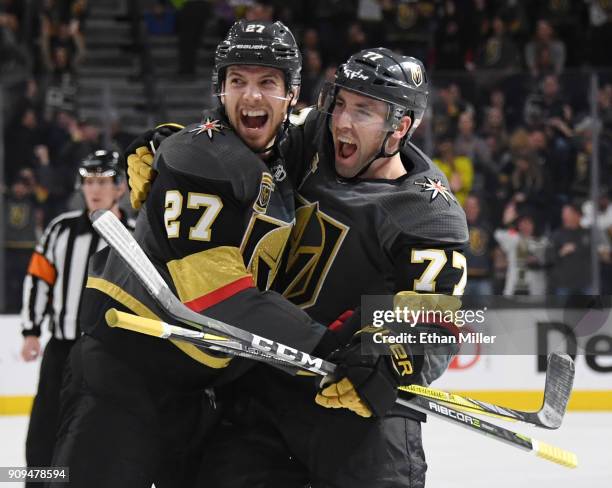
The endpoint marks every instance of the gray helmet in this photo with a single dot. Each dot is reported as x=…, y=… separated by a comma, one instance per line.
x=381, y=74
x=260, y=43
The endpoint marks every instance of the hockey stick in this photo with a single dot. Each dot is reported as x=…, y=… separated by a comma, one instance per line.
x=120, y=239
x=557, y=390
x=157, y=328
x=559, y=375
x=226, y=345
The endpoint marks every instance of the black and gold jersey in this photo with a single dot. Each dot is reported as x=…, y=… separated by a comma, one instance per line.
x=368, y=236
x=215, y=224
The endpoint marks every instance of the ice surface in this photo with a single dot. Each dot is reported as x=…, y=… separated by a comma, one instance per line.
x=458, y=458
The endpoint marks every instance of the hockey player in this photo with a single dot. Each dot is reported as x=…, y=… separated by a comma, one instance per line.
x=52, y=292
x=375, y=216
x=215, y=224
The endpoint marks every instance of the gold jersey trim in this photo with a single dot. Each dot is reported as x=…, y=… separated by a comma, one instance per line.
x=139, y=308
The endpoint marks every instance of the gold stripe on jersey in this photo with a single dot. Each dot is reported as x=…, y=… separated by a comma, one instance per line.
x=205, y=272
x=139, y=308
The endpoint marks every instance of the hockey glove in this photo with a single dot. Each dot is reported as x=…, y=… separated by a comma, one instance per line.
x=367, y=383
x=140, y=161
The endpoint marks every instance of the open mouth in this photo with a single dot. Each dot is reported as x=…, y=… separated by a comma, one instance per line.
x=346, y=147
x=253, y=119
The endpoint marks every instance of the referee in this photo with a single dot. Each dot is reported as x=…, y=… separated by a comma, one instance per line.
x=52, y=292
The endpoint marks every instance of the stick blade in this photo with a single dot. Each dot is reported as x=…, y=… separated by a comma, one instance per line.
x=557, y=391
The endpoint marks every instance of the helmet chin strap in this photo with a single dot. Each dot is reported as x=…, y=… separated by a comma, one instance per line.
x=382, y=153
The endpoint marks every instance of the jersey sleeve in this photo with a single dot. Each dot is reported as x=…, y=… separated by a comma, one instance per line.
x=298, y=147
x=431, y=268
x=38, y=284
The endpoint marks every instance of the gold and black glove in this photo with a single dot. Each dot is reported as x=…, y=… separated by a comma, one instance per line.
x=139, y=161
x=367, y=383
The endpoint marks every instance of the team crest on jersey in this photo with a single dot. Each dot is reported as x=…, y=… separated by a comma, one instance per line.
x=208, y=126
x=436, y=188
x=313, y=247
x=265, y=192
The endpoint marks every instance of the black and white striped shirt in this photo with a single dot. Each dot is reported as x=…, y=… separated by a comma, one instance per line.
x=57, y=274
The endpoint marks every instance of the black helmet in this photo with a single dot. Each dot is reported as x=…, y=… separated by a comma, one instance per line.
x=101, y=163
x=384, y=75
x=260, y=43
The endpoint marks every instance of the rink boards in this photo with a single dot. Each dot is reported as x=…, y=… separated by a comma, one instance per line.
x=516, y=381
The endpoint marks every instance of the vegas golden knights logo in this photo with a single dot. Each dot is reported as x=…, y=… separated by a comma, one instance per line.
x=265, y=191
x=417, y=74
x=262, y=248
x=313, y=246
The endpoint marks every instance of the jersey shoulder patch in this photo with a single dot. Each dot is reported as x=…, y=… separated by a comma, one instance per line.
x=423, y=205
x=222, y=158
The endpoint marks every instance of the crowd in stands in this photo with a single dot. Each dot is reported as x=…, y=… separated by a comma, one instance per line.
x=510, y=121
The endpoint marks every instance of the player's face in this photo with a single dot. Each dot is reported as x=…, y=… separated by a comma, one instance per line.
x=100, y=192
x=256, y=103
x=357, y=126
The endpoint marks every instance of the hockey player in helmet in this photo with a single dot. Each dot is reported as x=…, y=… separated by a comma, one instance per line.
x=375, y=103
x=257, y=79
x=216, y=223
x=374, y=216
x=101, y=180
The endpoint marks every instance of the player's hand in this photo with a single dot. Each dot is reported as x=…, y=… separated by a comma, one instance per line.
x=139, y=161
x=367, y=384
x=30, y=349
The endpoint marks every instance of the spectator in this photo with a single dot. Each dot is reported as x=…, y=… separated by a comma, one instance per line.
x=545, y=54
x=450, y=41
x=312, y=77
x=356, y=40
x=600, y=20
x=499, y=51
x=581, y=173
x=58, y=174
x=447, y=107
x=479, y=250
x=458, y=169
x=160, y=19
x=495, y=135
x=24, y=134
x=22, y=220
x=526, y=254
x=468, y=143
x=12, y=57
x=604, y=225
x=63, y=49
x=510, y=115
x=369, y=13
x=409, y=26
x=527, y=182
x=604, y=108
x=604, y=211
x=571, y=255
